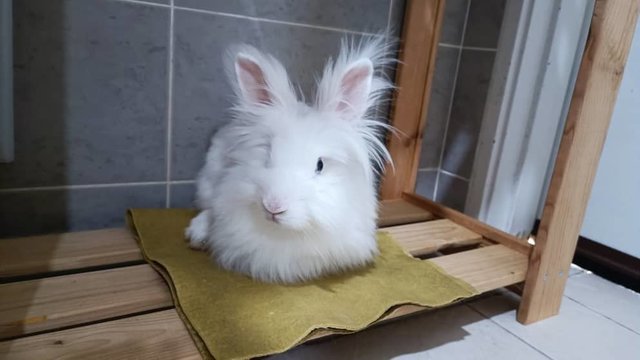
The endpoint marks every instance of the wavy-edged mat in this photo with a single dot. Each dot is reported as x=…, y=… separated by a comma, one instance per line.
x=231, y=316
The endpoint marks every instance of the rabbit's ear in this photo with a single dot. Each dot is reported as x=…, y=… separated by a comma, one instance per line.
x=346, y=87
x=260, y=78
x=349, y=86
x=251, y=80
x=355, y=86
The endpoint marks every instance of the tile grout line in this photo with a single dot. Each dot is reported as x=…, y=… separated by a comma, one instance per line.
x=142, y=2
x=454, y=175
x=509, y=331
x=281, y=22
x=428, y=169
x=181, y=182
x=378, y=105
x=389, y=13
x=601, y=314
x=78, y=187
x=93, y=186
x=169, y=140
x=478, y=48
x=246, y=17
x=453, y=92
x=462, y=47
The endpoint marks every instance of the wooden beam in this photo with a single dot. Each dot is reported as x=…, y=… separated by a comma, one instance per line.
x=86, y=249
x=419, y=45
x=428, y=237
x=487, y=268
x=589, y=115
x=56, y=302
x=60, y=252
x=470, y=223
x=399, y=212
x=159, y=335
x=37, y=305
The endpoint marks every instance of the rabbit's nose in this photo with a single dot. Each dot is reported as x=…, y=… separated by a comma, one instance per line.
x=273, y=207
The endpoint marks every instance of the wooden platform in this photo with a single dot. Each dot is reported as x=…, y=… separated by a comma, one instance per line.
x=90, y=294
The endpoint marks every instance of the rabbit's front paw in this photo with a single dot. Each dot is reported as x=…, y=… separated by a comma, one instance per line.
x=197, y=231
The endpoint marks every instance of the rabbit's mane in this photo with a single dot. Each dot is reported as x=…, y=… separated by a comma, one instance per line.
x=249, y=116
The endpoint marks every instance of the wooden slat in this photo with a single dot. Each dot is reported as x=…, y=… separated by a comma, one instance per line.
x=470, y=223
x=485, y=269
x=398, y=212
x=592, y=105
x=50, y=303
x=77, y=250
x=488, y=268
x=162, y=335
x=159, y=335
x=40, y=254
x=431, y=236
x=419, y=45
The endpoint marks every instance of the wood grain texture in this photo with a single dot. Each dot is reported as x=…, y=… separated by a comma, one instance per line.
x=51, y=303
x=55, y=302
x=160, y=335
x=488, y=268
x=487, y=231
x=419, y=45
x=428, y=237
x=77, y=250
x=398, y=212
x=584, y=134
x=58, y=252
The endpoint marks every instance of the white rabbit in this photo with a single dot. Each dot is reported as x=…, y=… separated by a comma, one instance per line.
x=288, y=190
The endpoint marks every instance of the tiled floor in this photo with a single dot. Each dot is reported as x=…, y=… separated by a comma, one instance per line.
x=598, y=320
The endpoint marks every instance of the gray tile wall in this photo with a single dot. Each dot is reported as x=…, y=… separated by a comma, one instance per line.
x=115, y=100
x=464, y=65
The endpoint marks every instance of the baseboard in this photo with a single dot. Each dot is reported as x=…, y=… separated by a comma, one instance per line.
x=607, y=262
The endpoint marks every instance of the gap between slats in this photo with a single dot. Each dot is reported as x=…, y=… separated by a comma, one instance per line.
x=159, y=335
x=56, y=302
x=88, y=250
x=61, y=252
x=428, y=237
x=162, y=335
x=62, y=301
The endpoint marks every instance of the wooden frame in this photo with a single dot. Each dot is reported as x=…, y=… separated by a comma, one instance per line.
x=421, y=31
x=592, y=104
x=90, y=294
x=62, y=294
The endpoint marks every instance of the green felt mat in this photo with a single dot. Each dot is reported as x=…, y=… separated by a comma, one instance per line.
x=231, y=316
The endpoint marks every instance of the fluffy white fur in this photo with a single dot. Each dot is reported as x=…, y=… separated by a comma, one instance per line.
x=265, y=209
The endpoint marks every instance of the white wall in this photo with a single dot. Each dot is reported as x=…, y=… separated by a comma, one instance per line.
x=613, y=215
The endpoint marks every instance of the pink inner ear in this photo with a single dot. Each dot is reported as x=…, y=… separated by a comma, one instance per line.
x=252, y=80
x=355, y=87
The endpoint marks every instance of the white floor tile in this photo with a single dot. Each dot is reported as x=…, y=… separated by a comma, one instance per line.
x=576, y=270
x=611, y=300
x=577, y=333
x=454, y=333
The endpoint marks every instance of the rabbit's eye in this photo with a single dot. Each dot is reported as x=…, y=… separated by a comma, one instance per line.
x=319, y=166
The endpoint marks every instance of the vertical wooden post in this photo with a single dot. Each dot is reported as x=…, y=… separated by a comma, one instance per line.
x=415, y=72
x=589, y=115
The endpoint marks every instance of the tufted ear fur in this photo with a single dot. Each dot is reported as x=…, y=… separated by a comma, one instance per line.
x=355, y=86
x=349, y=86
x=261, y=79
x=251, y=80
